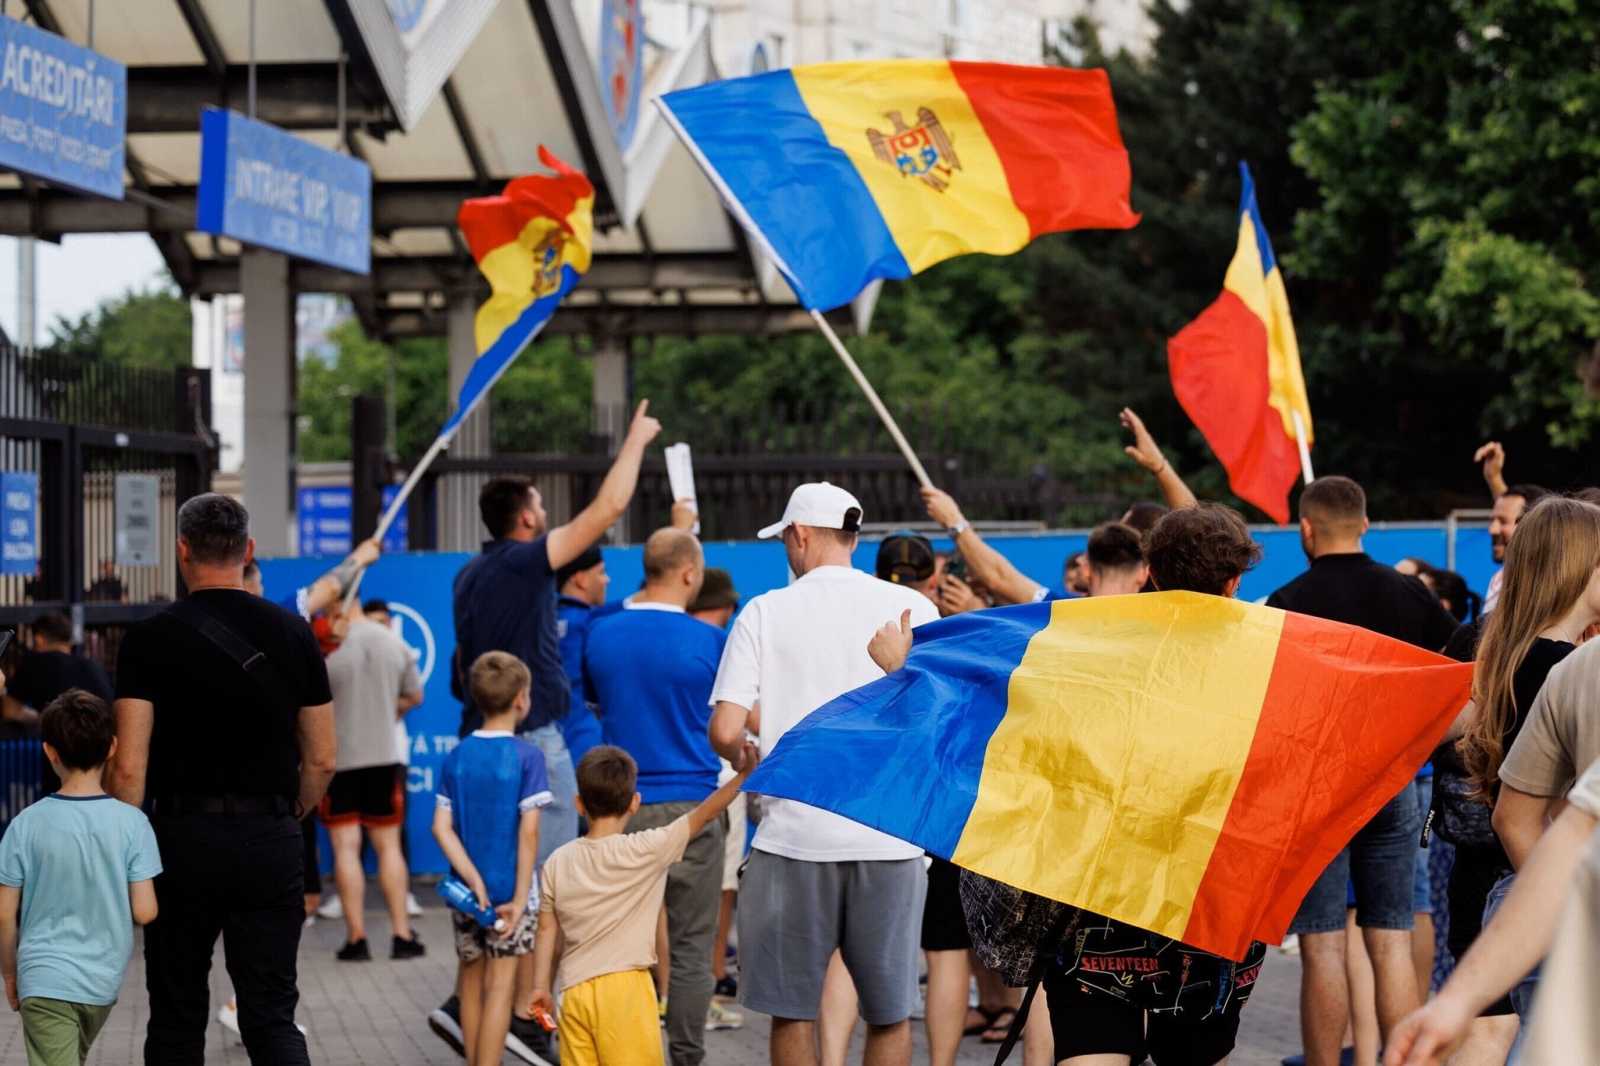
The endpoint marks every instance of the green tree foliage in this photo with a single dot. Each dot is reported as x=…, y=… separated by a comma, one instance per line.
x=147, y=328
x=1428, y=176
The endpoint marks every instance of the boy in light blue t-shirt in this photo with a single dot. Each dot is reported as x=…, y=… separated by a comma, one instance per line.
x=81, y=864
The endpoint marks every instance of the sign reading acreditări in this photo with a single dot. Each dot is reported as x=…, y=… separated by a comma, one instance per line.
x=63, y=110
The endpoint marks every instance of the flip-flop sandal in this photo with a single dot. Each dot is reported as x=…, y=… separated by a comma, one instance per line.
x=999, y=1026
x=984, y=1026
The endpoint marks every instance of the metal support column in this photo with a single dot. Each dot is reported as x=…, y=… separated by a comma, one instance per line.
x=269, y=398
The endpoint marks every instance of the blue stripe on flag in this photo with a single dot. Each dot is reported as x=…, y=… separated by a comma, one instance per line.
x=905, y=754
x=1248, y=206
x=508, y=346
x=804, y=194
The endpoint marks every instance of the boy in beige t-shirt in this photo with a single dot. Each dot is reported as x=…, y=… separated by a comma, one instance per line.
x=602, y=895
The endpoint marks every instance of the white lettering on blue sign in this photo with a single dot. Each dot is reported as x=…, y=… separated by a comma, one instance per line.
x=63, y=110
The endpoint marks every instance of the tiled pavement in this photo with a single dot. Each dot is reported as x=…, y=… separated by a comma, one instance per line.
x=373, y=1013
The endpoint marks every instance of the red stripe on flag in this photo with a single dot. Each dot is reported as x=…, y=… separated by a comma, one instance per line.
x=1056, y=134
x=1355, y=715
x=1218, y=365
x=490, y=221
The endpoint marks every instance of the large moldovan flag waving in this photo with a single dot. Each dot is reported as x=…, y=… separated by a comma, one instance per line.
x=1182, y=763
x=850, y=172
x=1236, y=371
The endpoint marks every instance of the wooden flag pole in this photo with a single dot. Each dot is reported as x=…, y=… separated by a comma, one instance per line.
x=872, y=398
x=1305, y=450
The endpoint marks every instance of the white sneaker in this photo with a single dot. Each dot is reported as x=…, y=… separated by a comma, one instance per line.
x=332, y=908
x=228, y=1017
x=413, y=908
x=722, y=1016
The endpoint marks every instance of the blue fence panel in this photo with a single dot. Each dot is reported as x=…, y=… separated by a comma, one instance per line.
x=21, y=776
x=417, y=587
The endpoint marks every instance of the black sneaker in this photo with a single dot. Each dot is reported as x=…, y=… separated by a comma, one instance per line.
x=728, y=988
x=528, y=1041
x=445, y=1021
x=355, y=951
x=406, y=949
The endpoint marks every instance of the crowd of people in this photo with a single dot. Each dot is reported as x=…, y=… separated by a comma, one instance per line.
x=592, y=805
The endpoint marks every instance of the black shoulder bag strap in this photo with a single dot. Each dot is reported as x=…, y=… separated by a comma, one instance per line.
x=1042, y=961
x=255, y=664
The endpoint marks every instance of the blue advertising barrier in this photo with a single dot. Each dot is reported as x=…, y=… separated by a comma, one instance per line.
x=19, y=522
x=63, y=110
x=266, y=187
x=417, y=588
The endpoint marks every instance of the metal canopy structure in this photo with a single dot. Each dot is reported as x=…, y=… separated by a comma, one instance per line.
x=668, y=259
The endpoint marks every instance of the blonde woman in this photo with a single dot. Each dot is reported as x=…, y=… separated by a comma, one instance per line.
x=1549, y=596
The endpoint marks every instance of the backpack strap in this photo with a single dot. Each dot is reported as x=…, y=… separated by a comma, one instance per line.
x=255, y=664
x=1042, y=962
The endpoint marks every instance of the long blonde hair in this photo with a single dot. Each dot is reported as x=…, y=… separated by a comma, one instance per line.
x=1549, y=564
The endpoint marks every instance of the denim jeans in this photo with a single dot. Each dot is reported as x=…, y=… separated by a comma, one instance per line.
x=1381, y=863
x=1522, y=992
x=558, y=822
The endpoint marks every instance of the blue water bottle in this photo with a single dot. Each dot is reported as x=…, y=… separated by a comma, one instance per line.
x=457, y=896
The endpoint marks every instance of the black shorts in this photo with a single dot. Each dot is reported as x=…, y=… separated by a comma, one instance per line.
x=944, y=924
x=1122, y=991
x=372, y=796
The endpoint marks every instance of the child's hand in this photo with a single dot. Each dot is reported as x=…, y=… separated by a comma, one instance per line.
x=749, y=755
x=511, y=915
x=541, y=1000
x=479, y=890
x=11, y=992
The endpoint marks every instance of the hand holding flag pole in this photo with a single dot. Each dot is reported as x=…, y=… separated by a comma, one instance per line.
x=533, y=245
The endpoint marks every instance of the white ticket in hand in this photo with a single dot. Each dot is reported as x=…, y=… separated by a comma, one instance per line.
x=680, y=476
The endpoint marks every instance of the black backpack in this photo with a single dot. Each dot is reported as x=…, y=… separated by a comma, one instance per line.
x=1457, y=814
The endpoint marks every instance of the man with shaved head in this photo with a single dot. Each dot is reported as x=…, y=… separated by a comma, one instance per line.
x=649, y=668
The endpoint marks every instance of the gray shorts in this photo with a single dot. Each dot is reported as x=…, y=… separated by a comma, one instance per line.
x=793, y=914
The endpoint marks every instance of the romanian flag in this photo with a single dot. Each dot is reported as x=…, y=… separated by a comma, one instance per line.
x=1236, y=370
x=849, y=172
x=532, y=243
x=1186, y=764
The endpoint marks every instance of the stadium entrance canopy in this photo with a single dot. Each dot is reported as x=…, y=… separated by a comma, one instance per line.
x=444, y=100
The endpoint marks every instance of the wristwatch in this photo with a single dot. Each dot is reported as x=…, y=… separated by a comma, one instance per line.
x=959, y=528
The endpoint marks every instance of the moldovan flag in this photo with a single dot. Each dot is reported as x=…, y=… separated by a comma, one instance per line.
x=849, y=172
x=1186, y=764
x=532, y=243
x=1236, y=370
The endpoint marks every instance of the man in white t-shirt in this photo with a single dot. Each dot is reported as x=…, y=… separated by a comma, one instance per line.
x=817, y=882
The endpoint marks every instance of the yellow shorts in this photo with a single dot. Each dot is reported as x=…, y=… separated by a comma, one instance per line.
x=611, y=1020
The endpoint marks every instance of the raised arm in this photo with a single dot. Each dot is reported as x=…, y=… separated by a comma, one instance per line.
x=567, y=542
x=713, y=805
x=319, y=747
x=1492, y=456
x=993, y=570
x=327, y=590
x=1147, y=454
x=135, y=721
x=891, y=644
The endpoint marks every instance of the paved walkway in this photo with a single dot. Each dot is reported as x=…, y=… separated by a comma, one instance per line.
x=373, y=1014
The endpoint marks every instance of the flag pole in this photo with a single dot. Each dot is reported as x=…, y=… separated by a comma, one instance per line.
x=872, y=398
x=1305, y=450
x=440, y=443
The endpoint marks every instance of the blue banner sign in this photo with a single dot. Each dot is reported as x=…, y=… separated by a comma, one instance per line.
x=63, y=110
x=323, y=515
x=19, y=522
x=269, y=188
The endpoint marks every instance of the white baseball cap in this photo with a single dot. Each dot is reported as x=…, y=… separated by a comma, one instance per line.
x=817, y=503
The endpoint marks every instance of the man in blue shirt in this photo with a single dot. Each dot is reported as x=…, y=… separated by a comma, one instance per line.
x=505, y=600
x=650, y=668
x=583, y=588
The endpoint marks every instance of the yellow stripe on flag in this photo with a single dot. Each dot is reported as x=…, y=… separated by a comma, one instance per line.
x=1286, y=382
x=1153, y=744
x=974, y=212
x=1245, y=278
x=511, y=268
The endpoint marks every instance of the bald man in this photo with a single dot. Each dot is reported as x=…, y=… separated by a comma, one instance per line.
x=649, y=668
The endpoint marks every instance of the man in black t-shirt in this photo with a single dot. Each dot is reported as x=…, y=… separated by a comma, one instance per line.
x=225, y=735
x=49, y=669
x=1344, y=584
